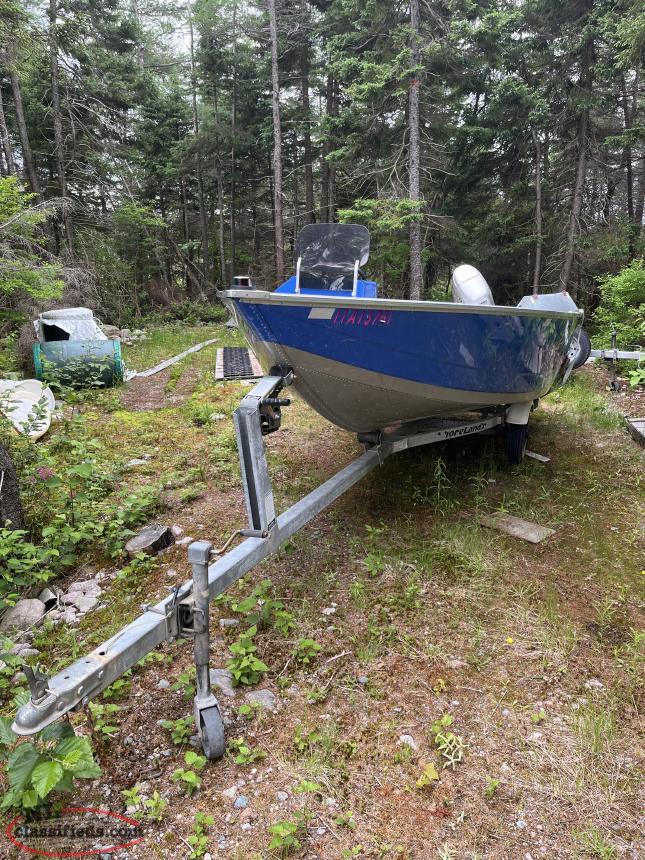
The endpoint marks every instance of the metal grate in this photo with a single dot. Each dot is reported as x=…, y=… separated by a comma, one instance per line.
x=237, y=362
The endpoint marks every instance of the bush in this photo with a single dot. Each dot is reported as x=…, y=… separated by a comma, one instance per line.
x=622, y=307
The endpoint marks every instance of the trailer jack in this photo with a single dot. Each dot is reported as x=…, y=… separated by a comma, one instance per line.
x=185, y=612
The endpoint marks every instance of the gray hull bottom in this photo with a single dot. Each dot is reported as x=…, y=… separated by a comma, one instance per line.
x=362, y=400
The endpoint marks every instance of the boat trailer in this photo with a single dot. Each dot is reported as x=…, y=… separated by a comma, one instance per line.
x=185, y=613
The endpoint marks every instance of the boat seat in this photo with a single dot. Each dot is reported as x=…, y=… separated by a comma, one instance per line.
x=314, y=285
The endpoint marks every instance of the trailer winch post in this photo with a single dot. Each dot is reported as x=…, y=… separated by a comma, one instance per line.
x=208, y=719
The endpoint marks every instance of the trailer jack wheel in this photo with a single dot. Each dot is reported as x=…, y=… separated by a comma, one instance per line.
x=211, y=732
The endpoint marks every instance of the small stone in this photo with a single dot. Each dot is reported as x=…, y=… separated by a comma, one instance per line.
x=84, y=604
x=70, y=616
x=29, y=652
x=129, y=740
x=49, y=596
x=594, y=684
x=520, y=824
x=241, y=802
x=265, y=698
x=534, y=737
x=245, y=826
x=362, y=680
x=152, y=539
x=26, y=613
x=321, y=831
x=456, y=663
x=163, y=684
x=177, y=530
x=408, y=740
x=89, y=587
x=282, y=796
x=184, y=541
x=229, y=622
x=329, y=610
x=223, y=680
x=217, y=416
x=207, y=856
x=230, y=793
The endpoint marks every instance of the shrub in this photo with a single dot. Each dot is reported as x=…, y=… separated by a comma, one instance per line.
x=622, y=307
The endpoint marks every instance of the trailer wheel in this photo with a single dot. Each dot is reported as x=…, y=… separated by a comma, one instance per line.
x=583, y=349
x=212, y=733
x=516, y=442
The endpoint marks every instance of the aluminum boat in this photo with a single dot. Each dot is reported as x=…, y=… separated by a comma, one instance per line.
x=366, y=363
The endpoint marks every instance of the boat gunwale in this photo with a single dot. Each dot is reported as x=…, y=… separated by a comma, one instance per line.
x=264, y=297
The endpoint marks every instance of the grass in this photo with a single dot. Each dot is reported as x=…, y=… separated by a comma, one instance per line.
x=419, y=612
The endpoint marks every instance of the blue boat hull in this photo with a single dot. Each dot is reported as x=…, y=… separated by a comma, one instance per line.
x=366, y=364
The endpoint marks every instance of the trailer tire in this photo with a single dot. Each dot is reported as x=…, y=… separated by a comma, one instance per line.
x=583, y=351
x=516, y=442
x=212, y=733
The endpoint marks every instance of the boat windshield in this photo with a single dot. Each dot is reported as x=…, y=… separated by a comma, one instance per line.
x=332, y=249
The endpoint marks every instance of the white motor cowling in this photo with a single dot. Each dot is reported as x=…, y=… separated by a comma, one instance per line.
x=469, y=286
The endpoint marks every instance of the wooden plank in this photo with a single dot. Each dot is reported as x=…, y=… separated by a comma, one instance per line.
x=515, y=527
x=539, y=457
x=636, y=427
x=169, y=361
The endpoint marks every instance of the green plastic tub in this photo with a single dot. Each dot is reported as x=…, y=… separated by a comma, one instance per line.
x=79, y=363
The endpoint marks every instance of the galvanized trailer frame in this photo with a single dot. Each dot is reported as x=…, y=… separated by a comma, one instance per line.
x=185, y=613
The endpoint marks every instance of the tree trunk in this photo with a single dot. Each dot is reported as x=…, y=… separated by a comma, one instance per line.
x=10, y=504
x=57, y=119
x=627, y=151
x=27, y=155
x=306, y=112
x=325, y=216
x=585, y=85
x=6, y=141
x=277, y=145
x=233, y=156
x=203, y=215
x=414, y=168
x=537, y=264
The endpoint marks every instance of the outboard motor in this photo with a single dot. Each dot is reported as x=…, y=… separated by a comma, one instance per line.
x=469, y=287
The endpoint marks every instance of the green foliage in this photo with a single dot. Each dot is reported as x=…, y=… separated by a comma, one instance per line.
x=180, y=729
x=22, y=564
x=101, y=716
x=242, y=753
x=198, y=839
x=622, y=308
x=40, y=771
x=24, y=265
x=450, y=746
x=187, y=777
x=286, y=835
x=244, y=666
x=306, y=651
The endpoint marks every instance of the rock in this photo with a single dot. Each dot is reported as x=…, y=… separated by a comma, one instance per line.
x=520, y=824
x=229, y=622
x=229, y=793
x=163, y=684
x=223, y=680
x=594, y=684
x=125, y=333
x=185, y=541
x=217, y=416
x=320, y=831
x=89, y=587
x=265, y=698
x=282, y=796
x=408, y=741
x=534, y=737
x=152, y=539
x=110, y=330
x=26, y=613
x=241, y=802
x=28, y=652
x=245, y=826
x=70, y=616
x=231, y=323
x=329, y=610
x=84, y=604
x=177, y=530
x=455, y=663
x=362, y=680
